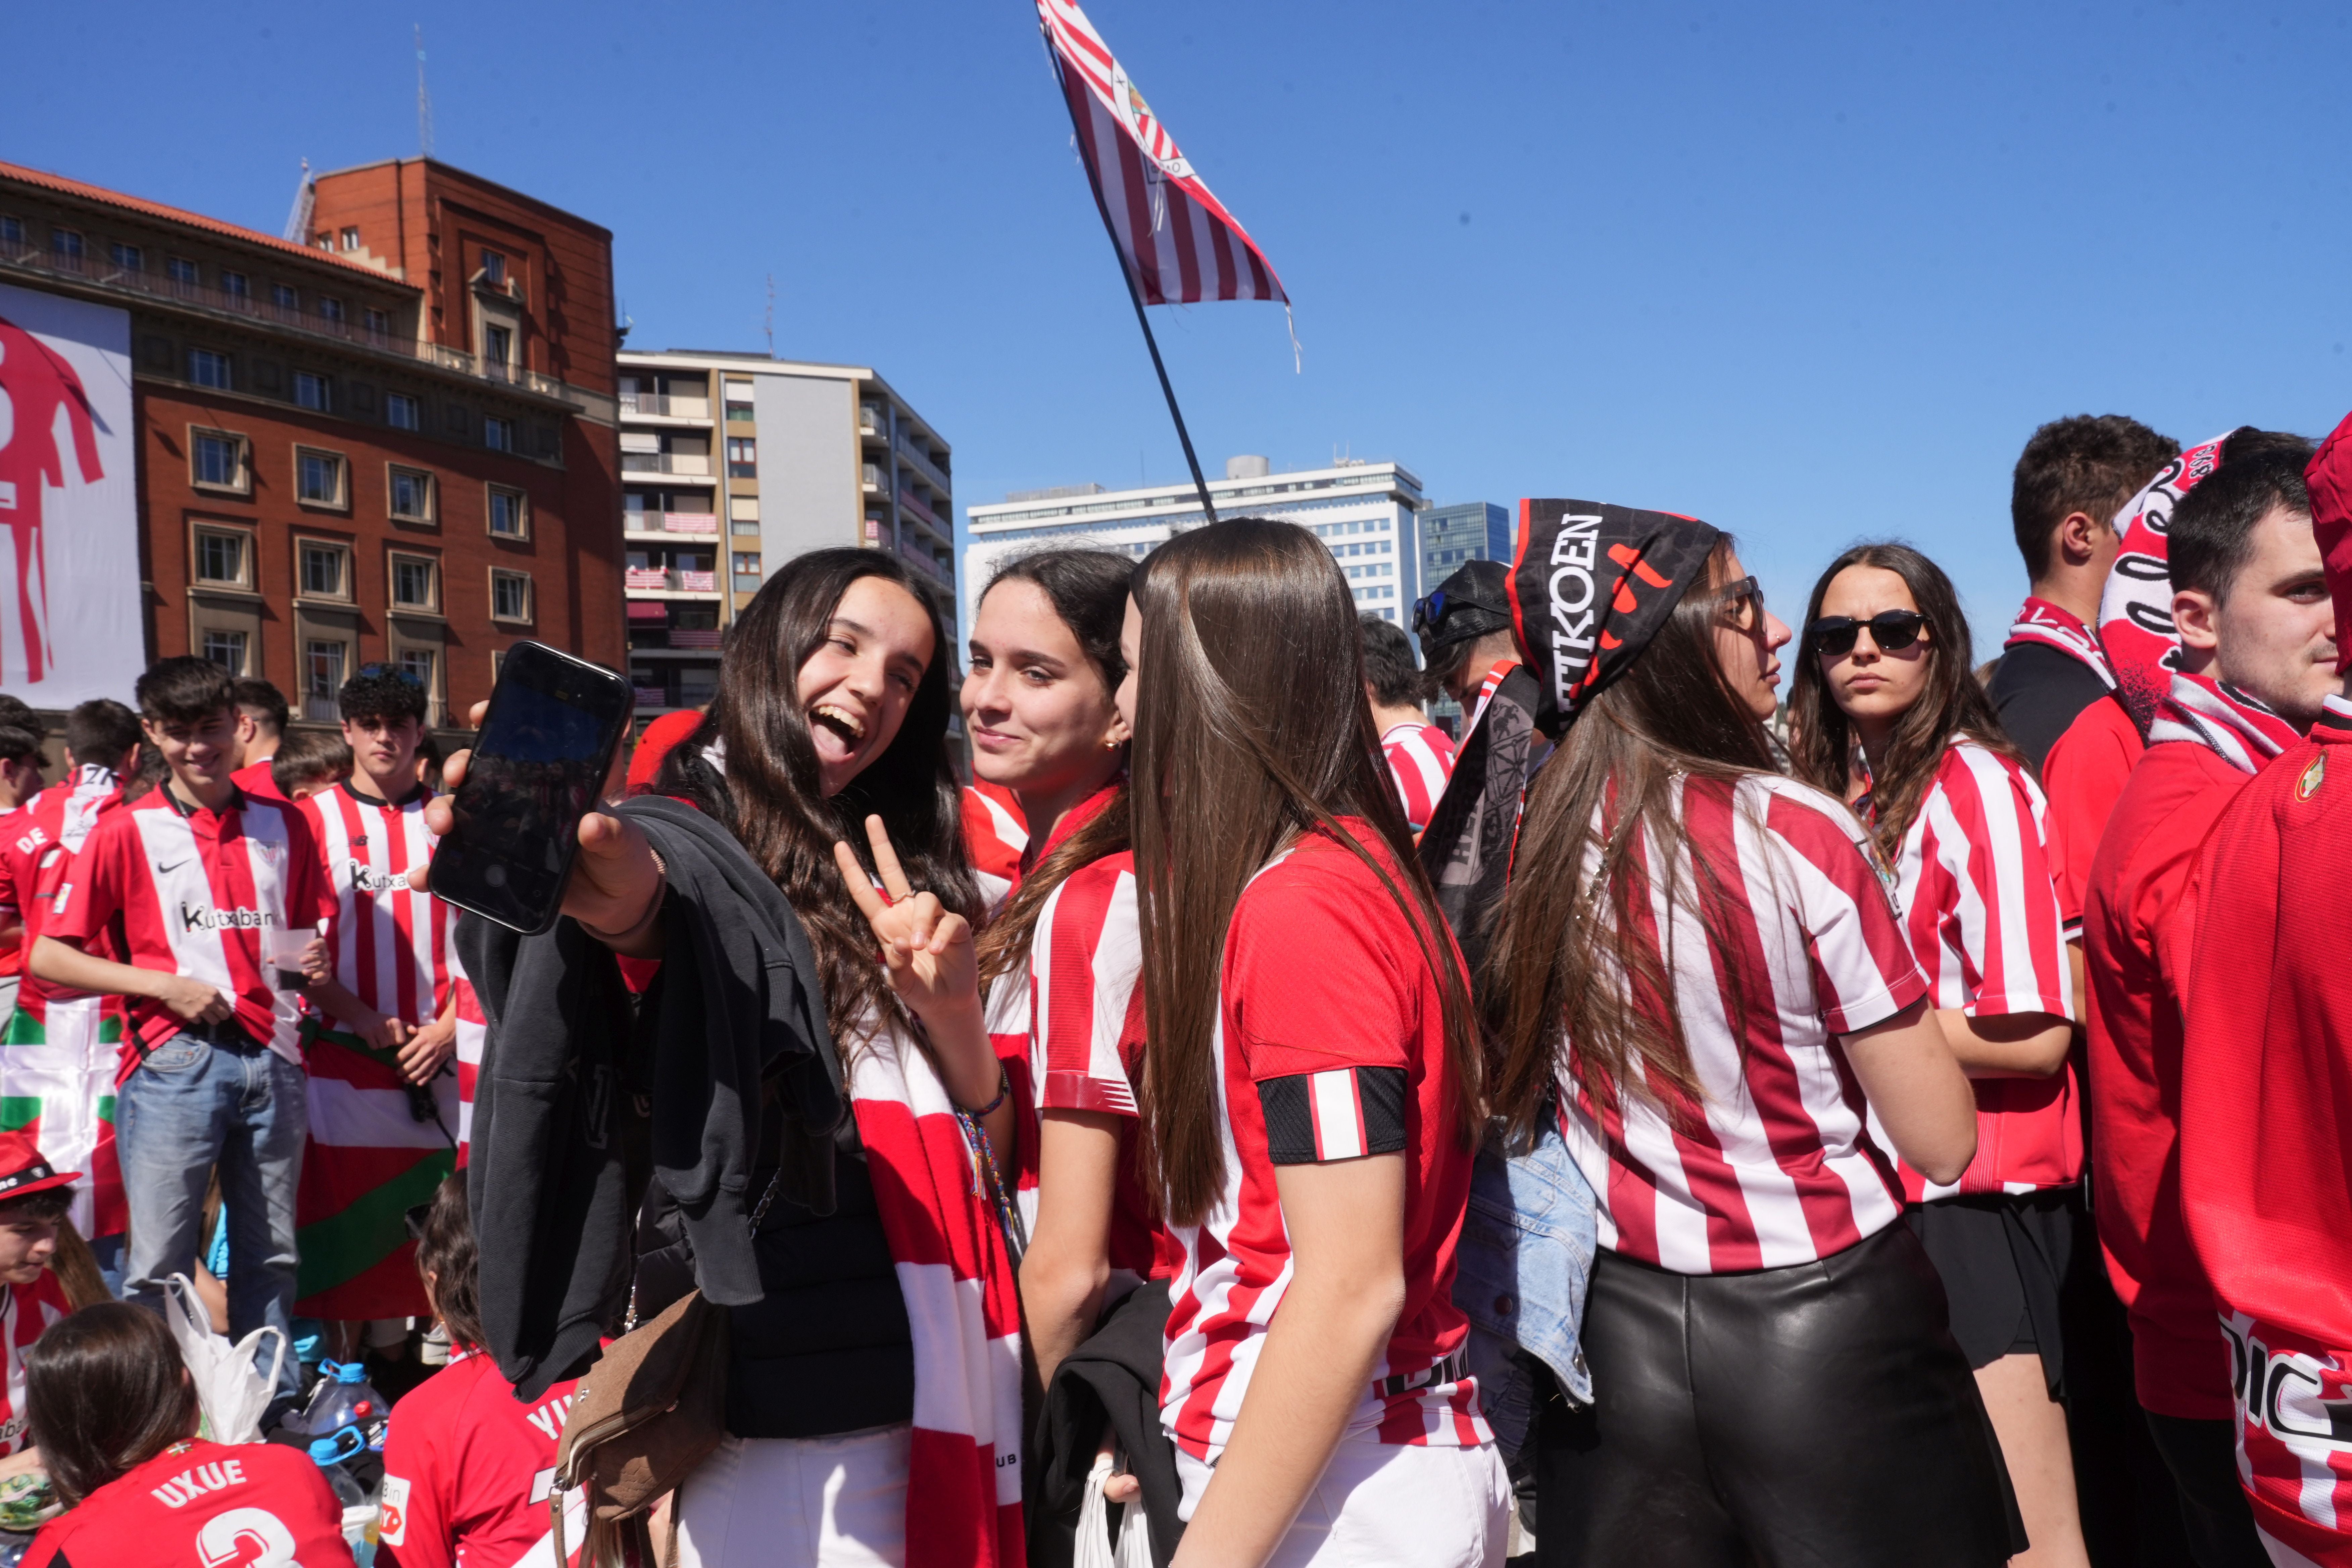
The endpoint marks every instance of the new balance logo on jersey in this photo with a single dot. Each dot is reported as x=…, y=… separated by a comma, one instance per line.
x=195, y=917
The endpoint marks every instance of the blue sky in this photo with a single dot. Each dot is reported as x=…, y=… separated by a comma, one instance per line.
x=1811, y=273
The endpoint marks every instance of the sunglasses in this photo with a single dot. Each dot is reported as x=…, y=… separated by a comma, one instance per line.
x=1891, y=630
x=1427, y=612
x=1734, y=599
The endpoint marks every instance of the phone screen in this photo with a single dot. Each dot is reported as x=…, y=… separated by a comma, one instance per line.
x=545, y=748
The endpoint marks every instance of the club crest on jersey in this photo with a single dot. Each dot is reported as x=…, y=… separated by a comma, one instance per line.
x=2313, y=778
x=197, y=917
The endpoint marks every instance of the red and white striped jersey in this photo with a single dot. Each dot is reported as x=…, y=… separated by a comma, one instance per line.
x=391, y=947
x=1084, y=1034
x=37, y=845
x=473, y=1035
x=1324, y=979
x=995, y=836
x=1776, y=1164
x=194, y=889
x=1421, y=759
x=1980, y=901
x=26, y=1312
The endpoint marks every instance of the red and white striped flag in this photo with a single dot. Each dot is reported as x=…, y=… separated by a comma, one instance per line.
x=1179, y=243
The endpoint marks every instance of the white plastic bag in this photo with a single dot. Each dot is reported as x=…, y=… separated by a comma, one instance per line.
x=1095, y=1548
x=232, y=1395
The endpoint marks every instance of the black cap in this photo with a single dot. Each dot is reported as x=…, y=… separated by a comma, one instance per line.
x=1470, y=604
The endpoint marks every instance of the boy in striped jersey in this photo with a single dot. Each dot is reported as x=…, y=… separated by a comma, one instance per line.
x=189, y=878
x=1419, y=755
x=383, y=1110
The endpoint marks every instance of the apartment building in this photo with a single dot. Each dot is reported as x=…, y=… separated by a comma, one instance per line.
x=1450, y=536
x=734, y=463
x=392, y=441
x=1365, y=512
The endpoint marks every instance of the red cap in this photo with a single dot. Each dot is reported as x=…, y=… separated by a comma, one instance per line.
x=656, y=744
x=23, y=1168
x=2329, y=479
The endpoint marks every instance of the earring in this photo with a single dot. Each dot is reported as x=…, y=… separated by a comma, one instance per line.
x=1113, y=744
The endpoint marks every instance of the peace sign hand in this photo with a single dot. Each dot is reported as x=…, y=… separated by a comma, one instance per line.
x=925, y=946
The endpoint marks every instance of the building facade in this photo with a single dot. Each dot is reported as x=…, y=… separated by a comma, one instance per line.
x=1363, y=511
x=1451, y=535
x=732, y=463
x=396, y=443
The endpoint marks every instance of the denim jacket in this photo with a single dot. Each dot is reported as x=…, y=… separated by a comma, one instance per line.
x=1520, y=1274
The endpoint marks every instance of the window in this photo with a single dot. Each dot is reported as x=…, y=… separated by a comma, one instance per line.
x=510, y=518
x=739, y=412
x=12, y=230
x=208, y=368
x=325, y=570
x=318, y=478
x=416, y=664
x=217, y=459
x=415, y=582
x=379, y=324
x=223, y=557
x=401, y=413
x=331, y=309
x=65, y=245
x=181, y=271
x=498, y=434
x=509, y=595
x=226, y=648
x=236, y=285
x=351, y=239
x=126, y=256
x=322, y=680
x=743, y=458
x=282, y=295
x=310, y=390
x=412, y=495
x=494, y=268
x=498, y=345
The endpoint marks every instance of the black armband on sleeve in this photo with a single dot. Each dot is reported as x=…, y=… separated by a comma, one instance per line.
x=1315, y=1118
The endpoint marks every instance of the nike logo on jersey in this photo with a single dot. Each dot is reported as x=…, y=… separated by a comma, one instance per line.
x=167, y=871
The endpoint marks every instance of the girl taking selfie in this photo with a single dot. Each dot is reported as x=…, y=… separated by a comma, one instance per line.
x=1697, y=970
x=1887, y=715
x=1312, y=1082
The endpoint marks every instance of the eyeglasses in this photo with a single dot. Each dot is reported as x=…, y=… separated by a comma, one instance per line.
x=1891, y=630
x=1732, y=602
x=1427, y=612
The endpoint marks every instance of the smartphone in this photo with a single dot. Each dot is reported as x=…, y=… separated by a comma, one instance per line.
x=545, y=749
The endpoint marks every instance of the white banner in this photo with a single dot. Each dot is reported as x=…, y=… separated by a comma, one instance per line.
x=70, y=618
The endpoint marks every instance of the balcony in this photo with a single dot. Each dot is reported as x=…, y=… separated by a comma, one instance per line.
x=870, y=476
x=697, y=582
x=100, y=273
x=923, y=463
x=695, y=522
x=695, y=637
x=870, y=421
x=652, y=578
x=921, y=559
x=666, y=405
x=690, y=464
x=660, y=580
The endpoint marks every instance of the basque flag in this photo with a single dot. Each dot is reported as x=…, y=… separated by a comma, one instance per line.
x=1179, y=243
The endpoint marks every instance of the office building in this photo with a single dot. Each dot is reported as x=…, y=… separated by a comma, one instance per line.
x=732, y=463
x=390, y=439
x=1451, y=535
x=1363, y=511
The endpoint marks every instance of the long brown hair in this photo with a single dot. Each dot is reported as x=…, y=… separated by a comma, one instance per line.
x=1599, y=810
x=1087, y=588
x=771, y=795
x=105, y=1392
x=1251, y=728
x=1821, y=737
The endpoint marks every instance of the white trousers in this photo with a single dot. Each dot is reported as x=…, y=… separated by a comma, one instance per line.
x=1380, y=1505
x=798, y=1502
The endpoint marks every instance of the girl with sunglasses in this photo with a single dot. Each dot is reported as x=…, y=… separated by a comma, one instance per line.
x=1887, y=715
x=1311, y=1088
x=1697, y=970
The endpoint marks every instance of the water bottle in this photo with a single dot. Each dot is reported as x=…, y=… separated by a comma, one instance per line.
x=360, y=1514
x=344, y=1397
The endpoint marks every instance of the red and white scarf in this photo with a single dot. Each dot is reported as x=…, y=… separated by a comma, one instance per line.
x=2135, y=610
x=964, y=1474
x=2043, y=622
x=2245, y=732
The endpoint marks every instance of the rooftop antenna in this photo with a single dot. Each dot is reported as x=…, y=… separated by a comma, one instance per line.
x=769, y=322
x=424, y=100
x=298, y=221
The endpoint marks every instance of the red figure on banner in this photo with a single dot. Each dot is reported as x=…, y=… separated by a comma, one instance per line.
x=34, y=383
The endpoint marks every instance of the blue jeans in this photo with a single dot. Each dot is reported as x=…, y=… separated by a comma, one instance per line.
x=192, y=1106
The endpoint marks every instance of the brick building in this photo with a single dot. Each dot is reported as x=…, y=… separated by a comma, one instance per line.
x=394, y=443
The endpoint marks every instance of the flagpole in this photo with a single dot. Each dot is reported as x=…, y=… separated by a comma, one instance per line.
x=1135, y=295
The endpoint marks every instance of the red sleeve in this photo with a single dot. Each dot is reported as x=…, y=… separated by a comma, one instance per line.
x=1863, y=966
x=310, y=889
x=2083, y=776
x=97, y=883
x=2013, y=939
x=1355, y=1002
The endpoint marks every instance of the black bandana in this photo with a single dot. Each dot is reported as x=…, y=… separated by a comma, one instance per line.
x=1592, y=586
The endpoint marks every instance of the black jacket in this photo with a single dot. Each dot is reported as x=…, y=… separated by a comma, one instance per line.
x=1113, y=1377
x=1466, y=849
x=576, y=1101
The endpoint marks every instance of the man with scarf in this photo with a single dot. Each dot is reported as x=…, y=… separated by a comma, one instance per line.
x=2073, y=477
x=2255, y=661
x=2265, y=1111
